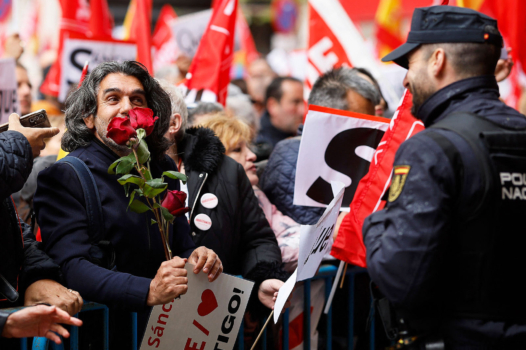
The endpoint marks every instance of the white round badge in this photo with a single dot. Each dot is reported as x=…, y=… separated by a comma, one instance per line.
x=209, y=200
x=203, y=222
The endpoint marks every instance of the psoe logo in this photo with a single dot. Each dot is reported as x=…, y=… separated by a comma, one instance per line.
x=513, y=185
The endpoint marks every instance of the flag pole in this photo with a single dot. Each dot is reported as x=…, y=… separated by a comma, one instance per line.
x=343, y=276
x=262, y=329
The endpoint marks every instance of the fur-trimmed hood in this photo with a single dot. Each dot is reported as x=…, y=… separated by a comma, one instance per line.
x=201, y=150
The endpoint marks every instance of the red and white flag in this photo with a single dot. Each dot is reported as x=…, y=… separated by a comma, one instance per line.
x=209, y=74
x=348, y=245
x=166, y=50
x=75, y=20
x=101, y=20
x=334, y=41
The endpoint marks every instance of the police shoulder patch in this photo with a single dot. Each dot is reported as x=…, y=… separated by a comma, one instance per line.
x=399, y=176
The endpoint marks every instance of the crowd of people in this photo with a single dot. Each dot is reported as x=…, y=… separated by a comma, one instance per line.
x=61, y=244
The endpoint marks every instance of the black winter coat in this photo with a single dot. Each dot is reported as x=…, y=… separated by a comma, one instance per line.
x=22, y=260
x=279, y=178
x=240, y=233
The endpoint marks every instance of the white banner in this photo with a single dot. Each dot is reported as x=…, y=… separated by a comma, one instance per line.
x=207, y=317
x=8, y=87
x=77, y=51
x=315, y=242
x=188, y=30
x=335, y=146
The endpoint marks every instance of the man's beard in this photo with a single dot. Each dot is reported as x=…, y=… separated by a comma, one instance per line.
x=102, y=130
x=420, y=95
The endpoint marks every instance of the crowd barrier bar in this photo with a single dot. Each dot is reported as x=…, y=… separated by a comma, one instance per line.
x=326, y=272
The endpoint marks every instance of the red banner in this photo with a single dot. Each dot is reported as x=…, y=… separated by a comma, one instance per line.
x=348, y=245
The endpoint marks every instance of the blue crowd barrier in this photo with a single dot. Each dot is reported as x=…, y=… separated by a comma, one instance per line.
x=326, y=272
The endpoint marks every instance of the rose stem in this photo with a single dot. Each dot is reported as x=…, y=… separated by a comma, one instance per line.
x=167, y=250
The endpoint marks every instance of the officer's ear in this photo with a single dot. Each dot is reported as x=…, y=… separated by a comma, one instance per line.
x=437, y=63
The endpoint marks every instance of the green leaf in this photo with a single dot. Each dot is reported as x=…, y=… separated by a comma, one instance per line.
x=131, y=200
x=166, y=215
x=126, y=164
x=153, y=222
x=139, y=191
x=156, y=205
x=138, y=206
x=154, y=187
x=127, y=189
x=113, y=165
x=141, y=133
x=146, y=173
x=176, y=175
x=142, y=152
x=130, y=178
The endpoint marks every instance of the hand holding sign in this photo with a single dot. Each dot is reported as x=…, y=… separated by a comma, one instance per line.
x=315, y=242
x=35, y=136
x=206, y=259
x=208, y=318
x=169, y=283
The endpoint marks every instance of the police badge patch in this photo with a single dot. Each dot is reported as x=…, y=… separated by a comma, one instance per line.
x=400, y=175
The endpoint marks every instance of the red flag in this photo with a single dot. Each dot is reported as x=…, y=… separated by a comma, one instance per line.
x=348, y=245
x=75, y=19
x=162, y=32
x=141, y=33
x=334, y=41
x=101, y=20
x=210, y=69
x=83, y=75
x=247, y=41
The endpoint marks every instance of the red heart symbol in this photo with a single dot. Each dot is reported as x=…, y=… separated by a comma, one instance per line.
x=208, y=303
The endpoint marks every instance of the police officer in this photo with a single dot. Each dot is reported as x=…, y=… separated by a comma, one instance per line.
x=448, y=250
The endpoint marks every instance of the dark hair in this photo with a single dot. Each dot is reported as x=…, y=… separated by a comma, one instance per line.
x=468, y=59
x=330, y=90
x=275, y=91
x=20, y=65
x=82, y=103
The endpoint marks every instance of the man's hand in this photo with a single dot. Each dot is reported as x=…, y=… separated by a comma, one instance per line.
x=35, y=136
x=205, y=259
x=503, y=68
x=169, y=282
x=51, y=292
x=39, y=321
x=268, y=293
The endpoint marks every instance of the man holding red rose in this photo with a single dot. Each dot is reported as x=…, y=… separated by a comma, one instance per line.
x=100, y=121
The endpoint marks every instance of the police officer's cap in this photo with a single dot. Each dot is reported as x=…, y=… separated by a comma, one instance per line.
x=446, y=24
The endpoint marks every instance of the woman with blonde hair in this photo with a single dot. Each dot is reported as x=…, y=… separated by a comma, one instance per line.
x=236, y=137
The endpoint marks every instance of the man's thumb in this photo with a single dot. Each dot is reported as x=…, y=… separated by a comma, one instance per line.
x=14, y=120
x=47, y=132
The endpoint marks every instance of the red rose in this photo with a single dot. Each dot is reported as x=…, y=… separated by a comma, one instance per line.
x=120, y=130
x=174, y=202
x=143, y=118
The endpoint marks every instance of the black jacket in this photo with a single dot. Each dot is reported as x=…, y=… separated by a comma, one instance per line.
x=409, y=242
x=240, y=233
x=22, y=260
x=278, y=180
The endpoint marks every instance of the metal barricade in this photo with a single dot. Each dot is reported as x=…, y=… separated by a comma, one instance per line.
x=326, y=272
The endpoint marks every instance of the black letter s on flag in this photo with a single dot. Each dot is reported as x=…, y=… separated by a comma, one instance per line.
x=341, y=156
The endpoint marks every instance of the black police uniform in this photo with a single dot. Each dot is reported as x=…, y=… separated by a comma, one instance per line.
x=447, y=250
x=415, y=250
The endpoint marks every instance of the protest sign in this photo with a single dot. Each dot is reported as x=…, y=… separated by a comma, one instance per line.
x=76, y=51
x=8, y=87
x=315, y=242
x=335, y=146
x=207, y=317
x=188, y=30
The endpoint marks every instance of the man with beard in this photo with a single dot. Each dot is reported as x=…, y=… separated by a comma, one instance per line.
x=139, y=277
x=448, y=247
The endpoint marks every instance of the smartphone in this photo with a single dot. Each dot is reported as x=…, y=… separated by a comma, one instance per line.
x=36, y=119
